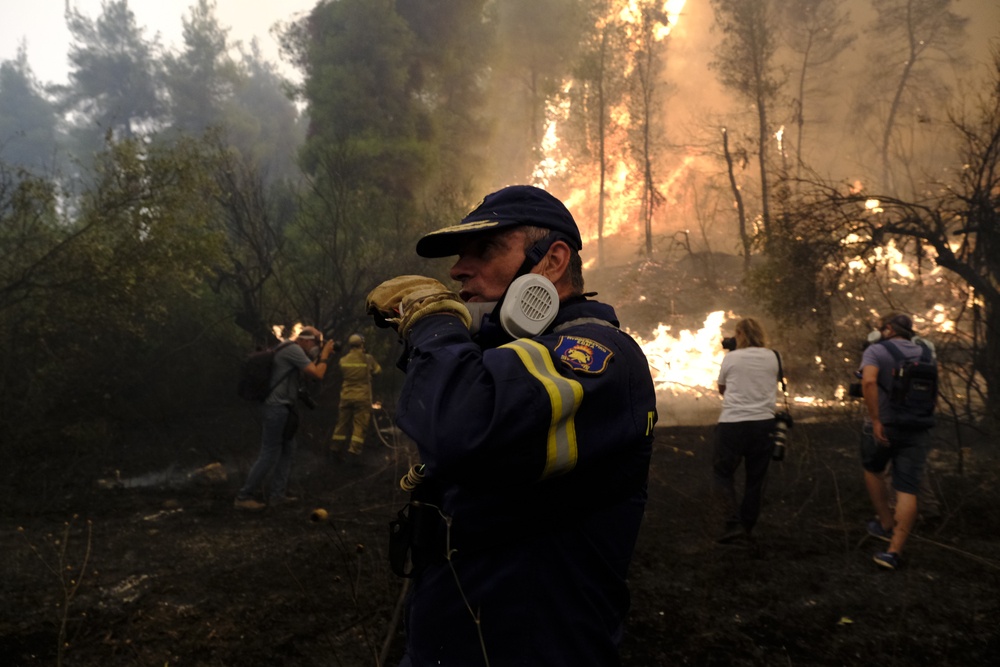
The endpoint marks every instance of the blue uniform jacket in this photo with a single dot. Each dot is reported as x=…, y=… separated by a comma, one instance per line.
x=537, y=452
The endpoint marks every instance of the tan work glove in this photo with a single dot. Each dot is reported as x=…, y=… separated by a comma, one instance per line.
x=404, y=300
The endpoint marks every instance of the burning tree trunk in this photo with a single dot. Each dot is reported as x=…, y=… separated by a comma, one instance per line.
x=741, y=212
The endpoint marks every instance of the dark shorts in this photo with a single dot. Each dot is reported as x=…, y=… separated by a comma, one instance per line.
x=907, y=452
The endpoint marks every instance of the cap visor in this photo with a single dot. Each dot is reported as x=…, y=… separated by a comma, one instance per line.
x=447, y=241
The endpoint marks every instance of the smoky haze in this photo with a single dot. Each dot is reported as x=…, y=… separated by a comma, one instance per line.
x=298, y=198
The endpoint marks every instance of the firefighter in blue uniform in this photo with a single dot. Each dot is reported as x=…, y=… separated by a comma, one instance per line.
x=535, y=447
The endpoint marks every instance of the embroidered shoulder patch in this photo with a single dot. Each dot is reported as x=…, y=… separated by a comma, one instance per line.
x=583, y=355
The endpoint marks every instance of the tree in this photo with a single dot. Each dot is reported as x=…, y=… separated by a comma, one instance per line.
x=100, y=286
x=744, y=61
x=957, y=221
x=536, y=46
x=244, y=102
x=909, y=35
x=364, y=102
x=596, y=104
x=816, y=32
x=254, y=238
x=261, y=120
x=28, y=135
x=452, y=49
x=202, y=79
x=113, y=78
x=371, y=155
x=646, y=108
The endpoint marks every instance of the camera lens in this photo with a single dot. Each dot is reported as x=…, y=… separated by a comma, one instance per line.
x=780, y=437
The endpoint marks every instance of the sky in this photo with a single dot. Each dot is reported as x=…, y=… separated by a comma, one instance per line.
x=41, y=24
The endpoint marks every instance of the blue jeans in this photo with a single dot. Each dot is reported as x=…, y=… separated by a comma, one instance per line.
x=276, y=451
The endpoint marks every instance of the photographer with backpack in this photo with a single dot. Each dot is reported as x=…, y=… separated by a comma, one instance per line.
x=899, y=385
x=289, y=362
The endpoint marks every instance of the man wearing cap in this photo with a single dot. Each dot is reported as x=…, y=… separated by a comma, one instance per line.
x=535, y=448
x=280, y=420
x=884, y=442
x=355, y=411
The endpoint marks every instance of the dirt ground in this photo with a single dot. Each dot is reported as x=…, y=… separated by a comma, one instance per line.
x=155, y=567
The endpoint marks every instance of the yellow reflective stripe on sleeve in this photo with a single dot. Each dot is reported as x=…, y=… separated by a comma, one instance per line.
x=564, y=394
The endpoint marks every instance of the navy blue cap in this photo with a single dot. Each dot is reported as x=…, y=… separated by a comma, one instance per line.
x=513, y=206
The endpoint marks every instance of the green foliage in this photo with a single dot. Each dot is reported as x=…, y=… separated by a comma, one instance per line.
x=89, y=289
x=395, y=102
x=261, y=121
x=359, y=84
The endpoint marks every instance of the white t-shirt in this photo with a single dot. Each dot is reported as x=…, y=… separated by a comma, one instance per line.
x=750, y=376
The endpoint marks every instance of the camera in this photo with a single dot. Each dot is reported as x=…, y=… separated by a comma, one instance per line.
x=329, y=335
x=307, y=399
x=854, y=389
x=782, y=422
x=729, y=343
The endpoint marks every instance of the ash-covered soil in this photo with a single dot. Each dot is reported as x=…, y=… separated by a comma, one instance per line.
x=176, y=576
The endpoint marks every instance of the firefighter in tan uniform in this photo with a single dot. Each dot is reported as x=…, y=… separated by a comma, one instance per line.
x=357, y=368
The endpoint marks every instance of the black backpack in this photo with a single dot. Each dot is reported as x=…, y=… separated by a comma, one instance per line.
x=914, y=390
x=255, y=374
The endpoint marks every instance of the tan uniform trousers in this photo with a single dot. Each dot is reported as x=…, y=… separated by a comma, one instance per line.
x=352, y=420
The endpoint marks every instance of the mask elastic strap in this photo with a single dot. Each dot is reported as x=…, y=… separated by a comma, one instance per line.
x=532, y=257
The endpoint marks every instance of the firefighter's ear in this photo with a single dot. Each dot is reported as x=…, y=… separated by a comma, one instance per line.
x=555, y=264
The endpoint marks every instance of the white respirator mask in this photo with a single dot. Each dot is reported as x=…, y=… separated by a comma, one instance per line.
x=874, y=336
x=527, y=309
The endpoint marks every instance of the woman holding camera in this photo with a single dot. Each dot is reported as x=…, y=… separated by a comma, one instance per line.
x=748, y=382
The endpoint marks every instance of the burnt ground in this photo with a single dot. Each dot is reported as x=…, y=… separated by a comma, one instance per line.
x=176, y=576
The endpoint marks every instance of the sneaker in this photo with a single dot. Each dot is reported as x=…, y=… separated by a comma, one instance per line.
x=283, y=500
x=875, y=529
x=248, y=504
x=890, y=560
